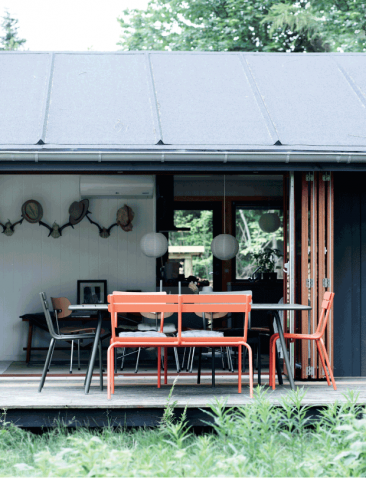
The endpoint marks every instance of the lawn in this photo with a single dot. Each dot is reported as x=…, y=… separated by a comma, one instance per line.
x=255, y=440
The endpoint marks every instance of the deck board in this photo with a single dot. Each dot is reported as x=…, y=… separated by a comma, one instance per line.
x=141, y=392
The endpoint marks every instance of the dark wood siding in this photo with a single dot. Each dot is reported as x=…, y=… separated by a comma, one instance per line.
x=350, y=274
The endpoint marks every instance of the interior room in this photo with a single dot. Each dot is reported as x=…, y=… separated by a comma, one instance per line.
x=53, y=256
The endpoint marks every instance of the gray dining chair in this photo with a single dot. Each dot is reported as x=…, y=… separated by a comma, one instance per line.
x=59, y=336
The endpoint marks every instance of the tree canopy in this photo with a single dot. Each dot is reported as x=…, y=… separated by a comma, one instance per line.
x=246, y=25
x=10, y=39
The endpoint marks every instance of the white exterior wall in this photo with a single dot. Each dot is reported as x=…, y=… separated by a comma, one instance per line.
x=31, y=262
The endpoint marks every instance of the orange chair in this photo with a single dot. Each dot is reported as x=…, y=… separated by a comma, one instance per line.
x=127, y=303
x=142, y=303
x=317, y=336
x=233, y=303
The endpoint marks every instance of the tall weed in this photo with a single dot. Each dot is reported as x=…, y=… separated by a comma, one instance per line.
x=258, y=439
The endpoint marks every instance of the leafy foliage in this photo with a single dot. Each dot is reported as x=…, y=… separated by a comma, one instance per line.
x=201, y=234
x=250, y=25
x=253, y=241
x=265, y=260
x=10, y=39
x=258, y=439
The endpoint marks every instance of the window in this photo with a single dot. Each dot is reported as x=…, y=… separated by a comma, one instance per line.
x=252, y=239
x=192, y=249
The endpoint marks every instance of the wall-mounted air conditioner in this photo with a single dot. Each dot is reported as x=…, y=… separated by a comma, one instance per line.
x=127, y=186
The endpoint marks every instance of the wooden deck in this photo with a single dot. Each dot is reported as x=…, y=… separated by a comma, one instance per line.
x=137, y=400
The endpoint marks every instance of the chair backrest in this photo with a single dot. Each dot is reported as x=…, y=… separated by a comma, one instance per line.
x=61, y=305
x=123, y=302
x=47, y=314
x=324, y=315
x=216, y=303
x=234, y=292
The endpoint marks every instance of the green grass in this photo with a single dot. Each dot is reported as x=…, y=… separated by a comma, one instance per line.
x=255, y=440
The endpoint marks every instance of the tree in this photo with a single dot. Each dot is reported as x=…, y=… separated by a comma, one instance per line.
x=246, y=25
x=10, y=39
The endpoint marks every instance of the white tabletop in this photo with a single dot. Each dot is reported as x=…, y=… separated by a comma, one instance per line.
x=257, y=306
x=281, y=306
x=89, y=307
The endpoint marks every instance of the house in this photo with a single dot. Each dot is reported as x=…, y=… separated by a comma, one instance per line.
x=287, y=131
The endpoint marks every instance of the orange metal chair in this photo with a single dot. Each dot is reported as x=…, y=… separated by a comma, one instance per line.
x=233, y=303
x=127, y=303
x=317, y=336
x=142, y=303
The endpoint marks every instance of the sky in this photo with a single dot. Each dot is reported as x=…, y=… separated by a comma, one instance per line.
x=69, y=25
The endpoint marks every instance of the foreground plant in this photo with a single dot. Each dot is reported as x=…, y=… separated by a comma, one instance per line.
x=259, y=439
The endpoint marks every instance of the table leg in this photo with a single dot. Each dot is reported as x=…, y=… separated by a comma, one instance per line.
x=29, y=344
x=93, y=353
x=283, y=344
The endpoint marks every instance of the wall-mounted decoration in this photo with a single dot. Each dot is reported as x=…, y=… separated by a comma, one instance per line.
x=125, y=216
x=55, y=230
x=103, y=232
x=78, y=210
x=8, y=227
x=32, y=212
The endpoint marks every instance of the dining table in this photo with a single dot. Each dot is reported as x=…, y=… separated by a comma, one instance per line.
x=276, y=308
x=99, y=308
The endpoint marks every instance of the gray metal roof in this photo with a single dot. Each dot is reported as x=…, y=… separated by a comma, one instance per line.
x=153, y=102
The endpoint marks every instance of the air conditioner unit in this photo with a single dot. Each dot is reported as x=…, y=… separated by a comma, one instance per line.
x=127, y=186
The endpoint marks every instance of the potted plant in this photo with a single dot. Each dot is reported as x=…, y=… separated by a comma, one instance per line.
x=265, y=262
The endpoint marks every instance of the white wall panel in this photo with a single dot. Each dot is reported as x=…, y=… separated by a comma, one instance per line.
x=31, y=262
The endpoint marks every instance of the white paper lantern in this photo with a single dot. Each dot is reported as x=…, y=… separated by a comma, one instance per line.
x=269, y=222
x=154, y=245
x=224, y=247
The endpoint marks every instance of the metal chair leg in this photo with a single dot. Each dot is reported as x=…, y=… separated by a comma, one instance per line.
x=49, y=364
x=46, y=364
x=191, y=368
x=278, y=367
x=87, y=368
x=199, y=365
x=123, y=358
x=184, y=356
x=213, y=367
x=137, y=360
x=222, y=358
x=176, y=360
x=115, y=360
x=79, y=354
x=100, y=365
x=72, y=352
x=259, y=364
x=229, y=361
x=244, y=359
x=189, y=359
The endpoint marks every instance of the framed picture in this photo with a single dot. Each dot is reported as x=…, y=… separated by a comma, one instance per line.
x=92, y=291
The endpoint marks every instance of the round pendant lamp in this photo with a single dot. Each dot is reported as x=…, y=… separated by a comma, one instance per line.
x=224, y=246
x=154, y=245
x=269, y=222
